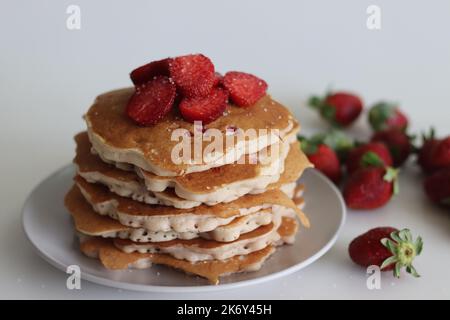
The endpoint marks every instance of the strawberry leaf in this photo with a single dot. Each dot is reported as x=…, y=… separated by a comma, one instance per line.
x=308, y=147
x=404, y=250
x=392, y=176
x=380, y=113
x=315, y=102
x=388, y=262
x=371, y=159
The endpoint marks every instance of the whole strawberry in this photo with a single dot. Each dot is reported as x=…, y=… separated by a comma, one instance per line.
x=441, y=154
x=324, y=159
x=383, y=116
x=437, y=187
x=426, y=152
x=371, y=186
x=339, y=108
x=388, y=248
x=336, y=139
x=356, y=155
x=398, y=143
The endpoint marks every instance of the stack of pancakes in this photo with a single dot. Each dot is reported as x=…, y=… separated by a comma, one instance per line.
x=133, y=205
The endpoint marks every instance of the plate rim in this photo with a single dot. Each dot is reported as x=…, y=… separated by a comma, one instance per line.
x=183, y=289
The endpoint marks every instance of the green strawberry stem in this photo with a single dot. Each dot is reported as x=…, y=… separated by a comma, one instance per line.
x=392, y=176
x=380, y=113
x=371, y=159
x=403, y=250
x=315, y=102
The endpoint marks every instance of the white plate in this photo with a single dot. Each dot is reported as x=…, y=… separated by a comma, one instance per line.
x=49, y=228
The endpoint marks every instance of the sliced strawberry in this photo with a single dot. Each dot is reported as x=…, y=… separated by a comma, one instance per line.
x=245, y=89
x=151, y=101
x=150, y=70
x=193, y=74
x=205, y=109
x=218, y=79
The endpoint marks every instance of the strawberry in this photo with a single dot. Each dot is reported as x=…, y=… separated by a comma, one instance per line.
x=339, y=108
x=441, y=154
x=150, y=70
x=218, y=79
x=193, y=74
x=151, y=101
x=355, y=156
x=324, y=159
x=398, y=143
x=426, y=152
x=388, y=248
x=245, y=89
x=383, y=116
x=336, y=139
x=205, y=109
x=371, y=186
x=437, y=187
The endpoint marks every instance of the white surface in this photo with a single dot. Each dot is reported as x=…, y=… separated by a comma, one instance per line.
x=50, y=75
x=49, y=228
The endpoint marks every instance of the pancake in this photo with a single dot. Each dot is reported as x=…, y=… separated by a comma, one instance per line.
x=199, y=219
x=114, y=259
x=288, y=230
x=117, y=138
x=201, y=249
x=221, y=184
x=88, y=222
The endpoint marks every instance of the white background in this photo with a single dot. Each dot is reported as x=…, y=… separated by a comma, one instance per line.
x=49, y=76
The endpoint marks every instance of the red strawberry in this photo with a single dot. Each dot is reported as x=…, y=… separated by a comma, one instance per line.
x=218, y=79
x=151, y=101
x=356, y=155
x=371, y=186
x=387, y=248
x=339, y=108
x=398, y=143
x=150, y=70
x=426, y=152
x=383, y=116
x=324, y=159
x=441, y=154
x=205, y=109
x=437, y=187
x=193, y=74
x=245, y=89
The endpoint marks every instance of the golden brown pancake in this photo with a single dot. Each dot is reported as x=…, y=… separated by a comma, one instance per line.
x=88, y=222
x=118, y=138
x=114, y=259
x=220, y=180
x=162, y=218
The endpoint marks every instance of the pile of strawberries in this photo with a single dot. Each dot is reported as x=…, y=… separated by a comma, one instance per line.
x=368, y=172
x=372, y=167
x=190, y=83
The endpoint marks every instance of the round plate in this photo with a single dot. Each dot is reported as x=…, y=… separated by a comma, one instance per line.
x=49, y=228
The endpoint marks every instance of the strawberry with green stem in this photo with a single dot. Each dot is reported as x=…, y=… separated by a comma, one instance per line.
x=388, y=248
x=336, y=139
x=322, y=157
x=384, y=115
x=340, y=109
x=371, y=186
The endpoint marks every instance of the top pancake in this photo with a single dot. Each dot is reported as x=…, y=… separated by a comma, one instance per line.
x=117, y=138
